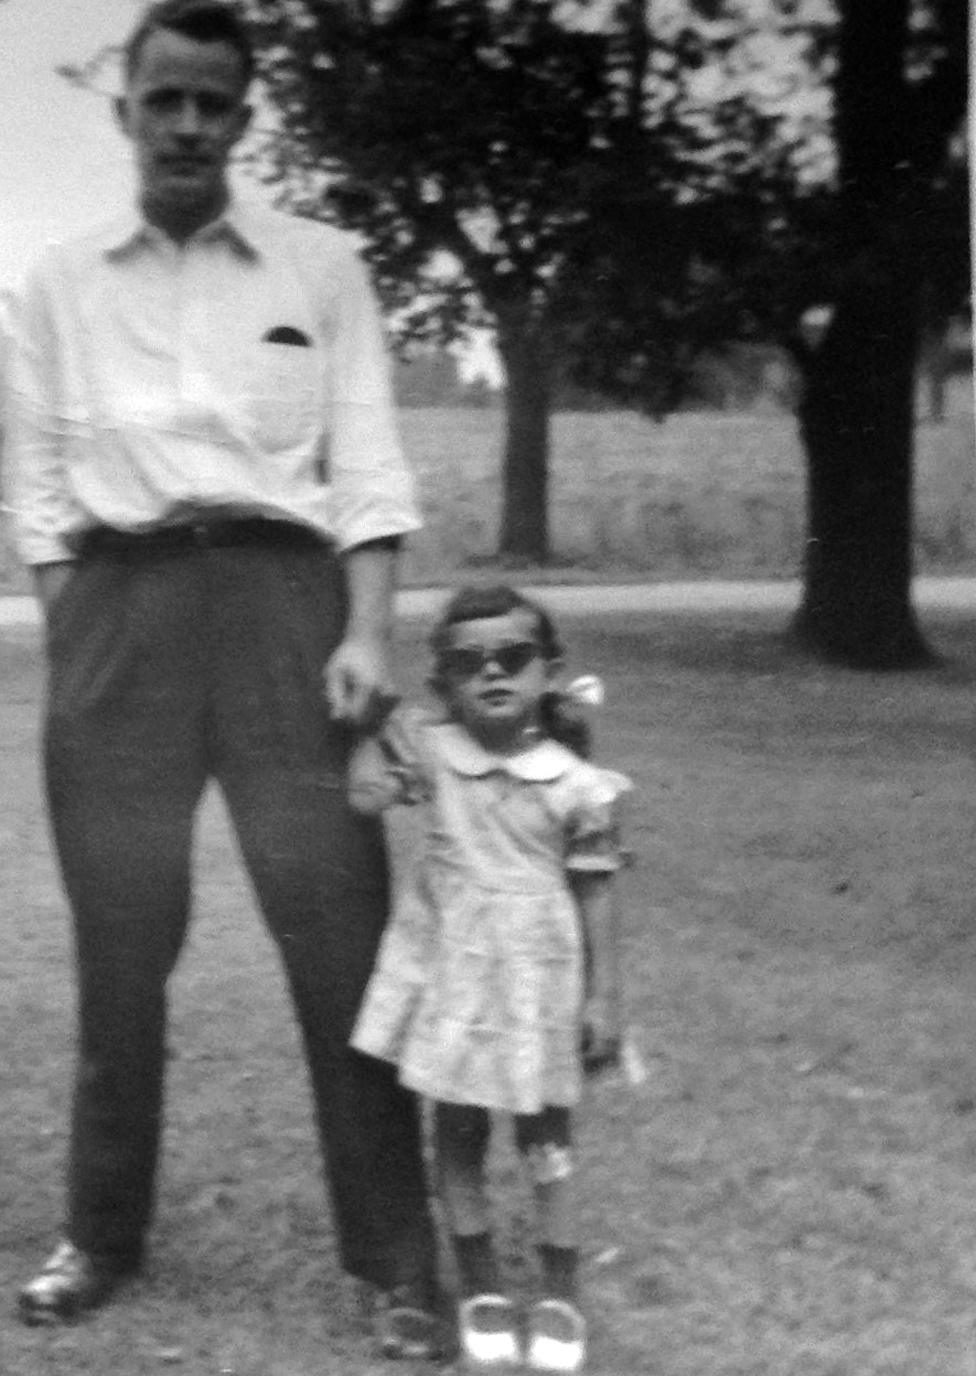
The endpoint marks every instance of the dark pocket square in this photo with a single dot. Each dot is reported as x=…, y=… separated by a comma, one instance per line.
x=287, y=334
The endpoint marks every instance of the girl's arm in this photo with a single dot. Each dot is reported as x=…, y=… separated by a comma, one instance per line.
x=372, y=780
x=602, y=1010
x=385, y=766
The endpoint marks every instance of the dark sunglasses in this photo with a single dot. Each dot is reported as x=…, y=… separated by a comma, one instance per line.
x=465, y=661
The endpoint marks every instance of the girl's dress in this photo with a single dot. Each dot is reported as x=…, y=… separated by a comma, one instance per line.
x=478, y=988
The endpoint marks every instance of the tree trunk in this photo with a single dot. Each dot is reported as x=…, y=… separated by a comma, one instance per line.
x=936, y=374
x=857, y=424
x=933, y=351
x=857, y=416
x=524, y=531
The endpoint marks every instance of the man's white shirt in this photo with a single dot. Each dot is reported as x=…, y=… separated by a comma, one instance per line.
x=242, y=374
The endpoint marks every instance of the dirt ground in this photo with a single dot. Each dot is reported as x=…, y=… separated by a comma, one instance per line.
x=789, y=1191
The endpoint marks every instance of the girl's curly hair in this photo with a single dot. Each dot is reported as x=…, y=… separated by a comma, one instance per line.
x=561, y=720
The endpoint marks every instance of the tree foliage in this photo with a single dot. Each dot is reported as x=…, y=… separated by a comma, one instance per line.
x=444, y=128
x=549, y=168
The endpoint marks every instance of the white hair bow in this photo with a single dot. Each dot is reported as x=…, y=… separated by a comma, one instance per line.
x=587, y=690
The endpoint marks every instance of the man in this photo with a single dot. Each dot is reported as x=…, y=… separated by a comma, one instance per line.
x=207, y=484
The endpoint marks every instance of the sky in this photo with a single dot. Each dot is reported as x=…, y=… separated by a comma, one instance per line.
x=63, y=166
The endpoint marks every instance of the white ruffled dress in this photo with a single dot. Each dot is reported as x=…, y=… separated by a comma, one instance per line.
x=478, y=987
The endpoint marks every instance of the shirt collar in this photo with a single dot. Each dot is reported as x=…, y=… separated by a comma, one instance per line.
x=236, y=226
x=542, y=762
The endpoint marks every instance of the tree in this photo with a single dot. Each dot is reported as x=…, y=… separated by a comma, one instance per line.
x=750, y=201
x=480, y=146
x=900, y=93
x=874, y=235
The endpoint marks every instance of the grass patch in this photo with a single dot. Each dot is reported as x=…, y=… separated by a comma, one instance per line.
x=703, y=494
x=790, y=1191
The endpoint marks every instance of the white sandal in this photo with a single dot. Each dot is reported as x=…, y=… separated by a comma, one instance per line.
x=557, y=1337
x=488, y=1333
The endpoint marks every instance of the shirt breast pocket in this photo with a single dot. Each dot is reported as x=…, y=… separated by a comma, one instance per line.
x=283, y=394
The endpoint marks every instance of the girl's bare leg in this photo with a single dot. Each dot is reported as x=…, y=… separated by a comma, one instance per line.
x=463, y=1133
x=556, y=1329
x=544, y=1141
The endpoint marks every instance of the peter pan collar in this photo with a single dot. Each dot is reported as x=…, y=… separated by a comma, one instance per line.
x=539, y=764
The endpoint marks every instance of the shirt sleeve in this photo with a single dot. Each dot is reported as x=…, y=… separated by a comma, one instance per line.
x=594, y=843
x=373, y=492
x=36, y=492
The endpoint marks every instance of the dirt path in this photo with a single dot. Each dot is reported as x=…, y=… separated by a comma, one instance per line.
x=958, y=594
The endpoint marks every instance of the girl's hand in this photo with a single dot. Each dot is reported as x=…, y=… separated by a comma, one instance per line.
x=384, y=768
x=372, y=785
x=601, y=1036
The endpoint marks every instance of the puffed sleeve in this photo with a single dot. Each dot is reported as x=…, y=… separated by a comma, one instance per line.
x=391, y=766
x=594, y=842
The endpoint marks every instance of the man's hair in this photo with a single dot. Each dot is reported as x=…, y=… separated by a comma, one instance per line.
x=207, y=21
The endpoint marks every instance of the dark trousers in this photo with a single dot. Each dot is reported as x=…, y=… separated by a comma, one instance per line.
x=167, y=670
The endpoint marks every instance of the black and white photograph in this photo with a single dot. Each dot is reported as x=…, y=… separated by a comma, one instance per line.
x=487, y=688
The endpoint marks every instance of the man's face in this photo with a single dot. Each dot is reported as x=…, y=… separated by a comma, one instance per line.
x=184, y=111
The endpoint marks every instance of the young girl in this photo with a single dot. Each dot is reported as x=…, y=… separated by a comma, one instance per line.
x=498, y=975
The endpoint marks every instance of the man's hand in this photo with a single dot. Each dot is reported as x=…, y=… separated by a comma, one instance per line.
x=358, y=687
x=358, y=676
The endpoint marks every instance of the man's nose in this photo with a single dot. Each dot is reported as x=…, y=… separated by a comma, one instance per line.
x=189, y=119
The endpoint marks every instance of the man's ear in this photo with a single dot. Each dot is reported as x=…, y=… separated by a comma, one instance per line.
x=120, y=108
x=245, y=114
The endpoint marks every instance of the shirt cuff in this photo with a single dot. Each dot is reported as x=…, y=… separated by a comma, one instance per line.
x=41, y=549
x=393, y=543
x=366, y=530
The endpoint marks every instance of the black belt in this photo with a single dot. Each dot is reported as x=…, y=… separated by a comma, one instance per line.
x=255, y=531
